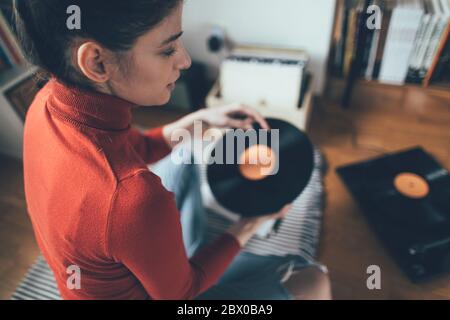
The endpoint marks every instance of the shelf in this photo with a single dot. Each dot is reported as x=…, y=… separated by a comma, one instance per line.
x=439, y=87
x=442, y=89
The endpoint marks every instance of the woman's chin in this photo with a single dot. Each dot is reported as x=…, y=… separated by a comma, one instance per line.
x=166, y=100
x=163, y=100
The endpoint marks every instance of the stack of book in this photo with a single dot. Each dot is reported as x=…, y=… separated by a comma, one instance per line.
x=405, y=41
x=11, y=53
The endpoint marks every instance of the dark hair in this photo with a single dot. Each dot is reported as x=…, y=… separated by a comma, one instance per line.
x=42, y=29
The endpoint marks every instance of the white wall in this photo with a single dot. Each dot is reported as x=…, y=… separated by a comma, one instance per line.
x=304, y=24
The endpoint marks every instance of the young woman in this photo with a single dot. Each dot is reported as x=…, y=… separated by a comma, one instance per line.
x=92, y=200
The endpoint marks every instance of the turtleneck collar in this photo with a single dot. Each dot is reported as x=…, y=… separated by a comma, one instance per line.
x=94, y=109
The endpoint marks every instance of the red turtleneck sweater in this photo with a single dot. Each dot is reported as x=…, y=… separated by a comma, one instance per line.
x=93, y=202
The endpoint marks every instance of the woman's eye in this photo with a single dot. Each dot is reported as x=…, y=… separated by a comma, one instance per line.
x=169, y=52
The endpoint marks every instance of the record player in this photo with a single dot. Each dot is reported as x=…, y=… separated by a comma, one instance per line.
x=274, y=81
x=405, y=197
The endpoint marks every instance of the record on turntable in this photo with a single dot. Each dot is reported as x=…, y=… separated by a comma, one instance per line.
x=406, y=198
x=257, y=172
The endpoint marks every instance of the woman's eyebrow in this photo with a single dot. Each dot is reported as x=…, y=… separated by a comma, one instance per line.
x=171, y=39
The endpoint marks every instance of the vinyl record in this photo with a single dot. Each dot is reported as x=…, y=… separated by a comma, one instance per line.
x=405, y=196
x=407, y=189
x=251, y=186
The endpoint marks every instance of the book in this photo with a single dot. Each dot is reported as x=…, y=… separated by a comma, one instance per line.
x=440, y=41
x=339, y=38
x=430, y=41
x=385, y=21
x=442, y=70
x=374, y=44
x=350, y=40
x=420, y=44
x=442, y=21
x=365, y=47
x=405, y=23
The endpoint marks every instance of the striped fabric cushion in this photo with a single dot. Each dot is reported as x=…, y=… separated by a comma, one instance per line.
x=297, y=235
x=38, y=284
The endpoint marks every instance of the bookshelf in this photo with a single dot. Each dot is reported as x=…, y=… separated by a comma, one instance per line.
x=354, y=44
x=440, y=87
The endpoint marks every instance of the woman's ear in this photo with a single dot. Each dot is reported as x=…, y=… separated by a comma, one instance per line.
x=91, y=59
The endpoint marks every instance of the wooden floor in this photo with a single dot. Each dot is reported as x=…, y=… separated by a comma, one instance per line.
x=381, y=119
x=18, y=248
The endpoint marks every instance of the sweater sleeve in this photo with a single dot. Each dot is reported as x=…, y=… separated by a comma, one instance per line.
x=150, y=144
x=145, y=235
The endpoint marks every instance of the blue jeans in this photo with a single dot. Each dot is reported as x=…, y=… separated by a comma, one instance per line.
x=249, y=276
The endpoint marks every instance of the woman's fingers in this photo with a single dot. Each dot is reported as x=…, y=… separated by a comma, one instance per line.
x=257, y=117
x=248, y=112
x=283, y=212
x=240, y=124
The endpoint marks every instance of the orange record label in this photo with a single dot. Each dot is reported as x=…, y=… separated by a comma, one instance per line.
x=257, y=162
x=411, y=185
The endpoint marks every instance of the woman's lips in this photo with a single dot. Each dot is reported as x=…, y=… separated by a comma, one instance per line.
x=171, y=86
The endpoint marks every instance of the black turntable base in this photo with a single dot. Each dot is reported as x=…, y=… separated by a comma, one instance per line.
x=406, y=199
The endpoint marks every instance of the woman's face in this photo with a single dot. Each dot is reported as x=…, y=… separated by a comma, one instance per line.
x=156, y=61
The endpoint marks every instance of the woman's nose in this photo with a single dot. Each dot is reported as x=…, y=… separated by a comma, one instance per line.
x=185, y=61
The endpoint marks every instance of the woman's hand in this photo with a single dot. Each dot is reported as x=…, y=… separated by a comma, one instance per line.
x=244, y=229
x=230, y=116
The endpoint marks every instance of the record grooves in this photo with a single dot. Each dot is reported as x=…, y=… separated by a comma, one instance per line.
x=239, y=187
